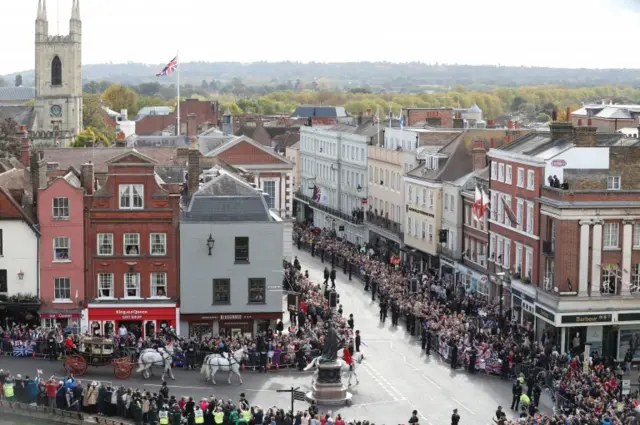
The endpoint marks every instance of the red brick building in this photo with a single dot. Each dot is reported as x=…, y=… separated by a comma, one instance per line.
x=205, y=113
x=434, y=117
x=584, y=238
x=132, y=247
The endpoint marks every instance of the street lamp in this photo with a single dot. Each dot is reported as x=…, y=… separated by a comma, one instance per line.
x=210, y=243
x=500, y=276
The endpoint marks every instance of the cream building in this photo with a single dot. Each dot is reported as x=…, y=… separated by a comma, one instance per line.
x=58, y=77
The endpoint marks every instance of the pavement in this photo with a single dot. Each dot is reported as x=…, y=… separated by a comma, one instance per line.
x=395, y=375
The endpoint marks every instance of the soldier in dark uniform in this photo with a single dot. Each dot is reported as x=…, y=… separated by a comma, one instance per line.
x=350, y=266
x=333, y=259
x=51, y=343
x=428, y=342
x=326, y=276
x=322, y=254
x=313, y=248
x=394, y=313
x=344, y=265
x=350, y=322
x=423, y=338
x=191, y=355
x=383, y=310
x=374, y=286
x=332, y=276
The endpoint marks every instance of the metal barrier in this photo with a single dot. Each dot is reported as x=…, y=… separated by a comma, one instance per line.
x=29, y=348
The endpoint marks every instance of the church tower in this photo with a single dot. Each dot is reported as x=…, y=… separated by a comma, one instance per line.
x=58, y=77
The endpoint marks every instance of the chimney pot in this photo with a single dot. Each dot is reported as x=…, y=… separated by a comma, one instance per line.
x=191, y=125
x=589, y=122
x=491, y=145
x=479, y=155
x=568, y=118
x=193, y=171
x=554, y=115
x=579, y=121
x=509, y=124
x=25, y=150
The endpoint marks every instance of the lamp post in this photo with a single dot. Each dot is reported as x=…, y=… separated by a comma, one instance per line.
x=210, y=243
x=500, y=277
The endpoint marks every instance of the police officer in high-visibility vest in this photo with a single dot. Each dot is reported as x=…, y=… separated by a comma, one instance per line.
x=175, y=414
x=198, y=415
x=245, y=416
x=218, y=417
x=163, y=414
x=7, y=389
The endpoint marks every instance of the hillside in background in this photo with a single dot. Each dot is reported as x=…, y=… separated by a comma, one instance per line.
x=376, y=76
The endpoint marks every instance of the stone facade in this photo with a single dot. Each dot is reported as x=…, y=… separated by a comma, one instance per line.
x=58, y=77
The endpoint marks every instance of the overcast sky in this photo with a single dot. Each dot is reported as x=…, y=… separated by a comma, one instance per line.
x=540, y=33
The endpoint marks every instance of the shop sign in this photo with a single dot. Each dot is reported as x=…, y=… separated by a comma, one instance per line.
x=522, y=295
x=229, y=317
x=558, y=163
x=75, y=315
x=150, y=313
x=545, y=314
x=628, y=317
x=587, y=318
x=421, y=212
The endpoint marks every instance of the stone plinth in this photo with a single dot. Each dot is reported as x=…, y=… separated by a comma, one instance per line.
x=328, y=388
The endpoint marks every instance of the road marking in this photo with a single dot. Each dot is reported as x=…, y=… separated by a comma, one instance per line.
x=431, y=381
x=373, y=403
x=404, y=358
x=462, y=405
x=425, y=419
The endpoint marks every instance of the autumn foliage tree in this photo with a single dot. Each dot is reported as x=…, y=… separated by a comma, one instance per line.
x=118, y=97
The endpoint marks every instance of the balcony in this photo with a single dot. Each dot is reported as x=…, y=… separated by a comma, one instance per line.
x=548, y=248
x=389, y=156
x=553, y=195
x=451, y=253
x=385, y=224
x=317, y=205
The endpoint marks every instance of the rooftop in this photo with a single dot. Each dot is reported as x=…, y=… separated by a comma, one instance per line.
x=454, y=161
x=17, y=94
x=308, y=111
x=68, y=157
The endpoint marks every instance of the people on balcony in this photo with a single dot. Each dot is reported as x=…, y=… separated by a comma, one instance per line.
x=555, y=183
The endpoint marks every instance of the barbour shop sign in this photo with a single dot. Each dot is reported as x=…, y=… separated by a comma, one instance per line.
x=546, y=314
x=587, y=318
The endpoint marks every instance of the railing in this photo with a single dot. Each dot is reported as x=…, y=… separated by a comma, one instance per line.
x=332, y=211
x=385, y=223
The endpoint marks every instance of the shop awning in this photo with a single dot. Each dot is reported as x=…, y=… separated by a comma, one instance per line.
x=60, y=314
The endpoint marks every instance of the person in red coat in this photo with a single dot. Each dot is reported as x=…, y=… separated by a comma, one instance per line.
x=346, y=356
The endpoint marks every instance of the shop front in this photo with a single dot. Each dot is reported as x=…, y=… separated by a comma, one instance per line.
x=546, y=325
x=230, y=324
x=66, y=319
x=141, y=320
x=448, y=270
x=473, y=281
x=594, y=329
x=523, y=307
x=628, y=338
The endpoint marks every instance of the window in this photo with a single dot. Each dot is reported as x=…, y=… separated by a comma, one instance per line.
x=415, y=228
x=131, y=244
x=269, y=187
x=518, y=265
x=452, y=202
x=634, y=284
x=520, y=177
x=531, y=179
x=636, y=236
x=61, y=248
x=131, y=196
x=520, y=213
x=611, y=235
x=507, y=254
x=424, y=230
x=494, y=202
x=105, y=285
x=158, y=284
x=529, y=217
x=410, y=193
x=62, y=289
x=56, y=71
x=430, y=233
x=507, y=203
x=221, y=291
x=499, y=252
x=529, y=265
x=409, y=228
x=60, y=208
x=611, y=278
x=431, y=198
x=242, y=249
x=105, y=243
x=492, y=248
x=507, y=177
x=467, y=214
x=424, y=196
x=257, y=290
x=501, y=209
x=494, y=170
x=158, y=243
x=446, y=201
x=132, y=285
x=370, y=173
x=501, y=172
x=613, y=183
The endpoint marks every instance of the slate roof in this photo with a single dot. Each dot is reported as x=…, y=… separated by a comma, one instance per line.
x=17, y=94
x=171, y=173
x=68, y=157
x=273, y=131
x=614, y=113
x=23, y=115
x=226, y=198
x=286, y=140
x=541, y=144
x=308, y=111
x=456, y=162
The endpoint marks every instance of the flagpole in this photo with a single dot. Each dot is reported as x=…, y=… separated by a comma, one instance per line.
x=178, y=101
x=378, y=122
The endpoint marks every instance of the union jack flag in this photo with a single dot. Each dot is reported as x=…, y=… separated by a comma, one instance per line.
x=171, y=66
x=23, y=349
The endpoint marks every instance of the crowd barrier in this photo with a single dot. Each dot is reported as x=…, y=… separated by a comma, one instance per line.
x=49, y=414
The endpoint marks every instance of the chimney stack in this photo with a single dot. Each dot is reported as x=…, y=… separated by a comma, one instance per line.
x=509, y=124
x=193, y=171
x=554, y=115
x=38, y=171
x=568, y=117
x=192, y=129
x=561, y=130
x=359, y=118
x=87, y=177
x=259, y=123
x=479, y=155
x=24, y=146
x=458, y=122
x=585, y=136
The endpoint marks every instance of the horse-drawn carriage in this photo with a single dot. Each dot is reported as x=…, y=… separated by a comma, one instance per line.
x=99, y=352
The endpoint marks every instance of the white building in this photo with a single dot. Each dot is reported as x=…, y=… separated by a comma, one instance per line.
x=333, y=162
x=19, y=237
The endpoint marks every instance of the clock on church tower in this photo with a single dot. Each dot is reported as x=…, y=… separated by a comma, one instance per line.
x=56, y=111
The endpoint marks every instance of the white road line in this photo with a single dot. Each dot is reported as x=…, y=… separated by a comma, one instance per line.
x=404, y=358
x=425, y=419
x=431, y=381
x=462, y=405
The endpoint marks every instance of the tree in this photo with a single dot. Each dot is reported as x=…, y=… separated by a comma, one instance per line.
x=119, y=97
x=148, y=89
x=18, y=80
x=542, y=117
x=9, y=140
x=90, y=137
x=93, y=116
x=151, y=101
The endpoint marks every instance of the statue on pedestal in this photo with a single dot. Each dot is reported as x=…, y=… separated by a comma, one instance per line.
x=330, y=347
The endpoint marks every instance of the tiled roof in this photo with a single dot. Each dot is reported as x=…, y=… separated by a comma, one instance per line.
x=14, y=180
x=23, y=115
x=17, y=94
x=541, y=144
x=286, y=140
x=614, y=113
x=457, y=162
x=67, y=157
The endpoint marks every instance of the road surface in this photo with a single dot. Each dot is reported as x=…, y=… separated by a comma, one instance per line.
x=409, y=379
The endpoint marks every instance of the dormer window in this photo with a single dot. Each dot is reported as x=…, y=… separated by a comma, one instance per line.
x=131, y=196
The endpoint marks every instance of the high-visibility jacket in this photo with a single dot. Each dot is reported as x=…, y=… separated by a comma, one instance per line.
x=199, y=418
x=524, y=399
x=218, y=417
x=246, y=415
x=164, y=417
x=7, y=389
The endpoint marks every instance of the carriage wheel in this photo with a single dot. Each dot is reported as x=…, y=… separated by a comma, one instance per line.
x=122, y=370
x=75, y=365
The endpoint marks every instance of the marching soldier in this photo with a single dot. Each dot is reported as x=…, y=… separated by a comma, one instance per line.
x=383, y=310
x=332, y=276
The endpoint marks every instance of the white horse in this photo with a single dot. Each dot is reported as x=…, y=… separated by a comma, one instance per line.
x=214, y=362
x=345, y=369
x=160, y=357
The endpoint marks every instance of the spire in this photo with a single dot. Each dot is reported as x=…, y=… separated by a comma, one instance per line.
x=44, y=10
x=39, y=17
x=75, y=11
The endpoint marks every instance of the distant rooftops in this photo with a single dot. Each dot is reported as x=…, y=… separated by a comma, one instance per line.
x=17, y=94
x=154, y=110
x=608, y=111
x=309, y=111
